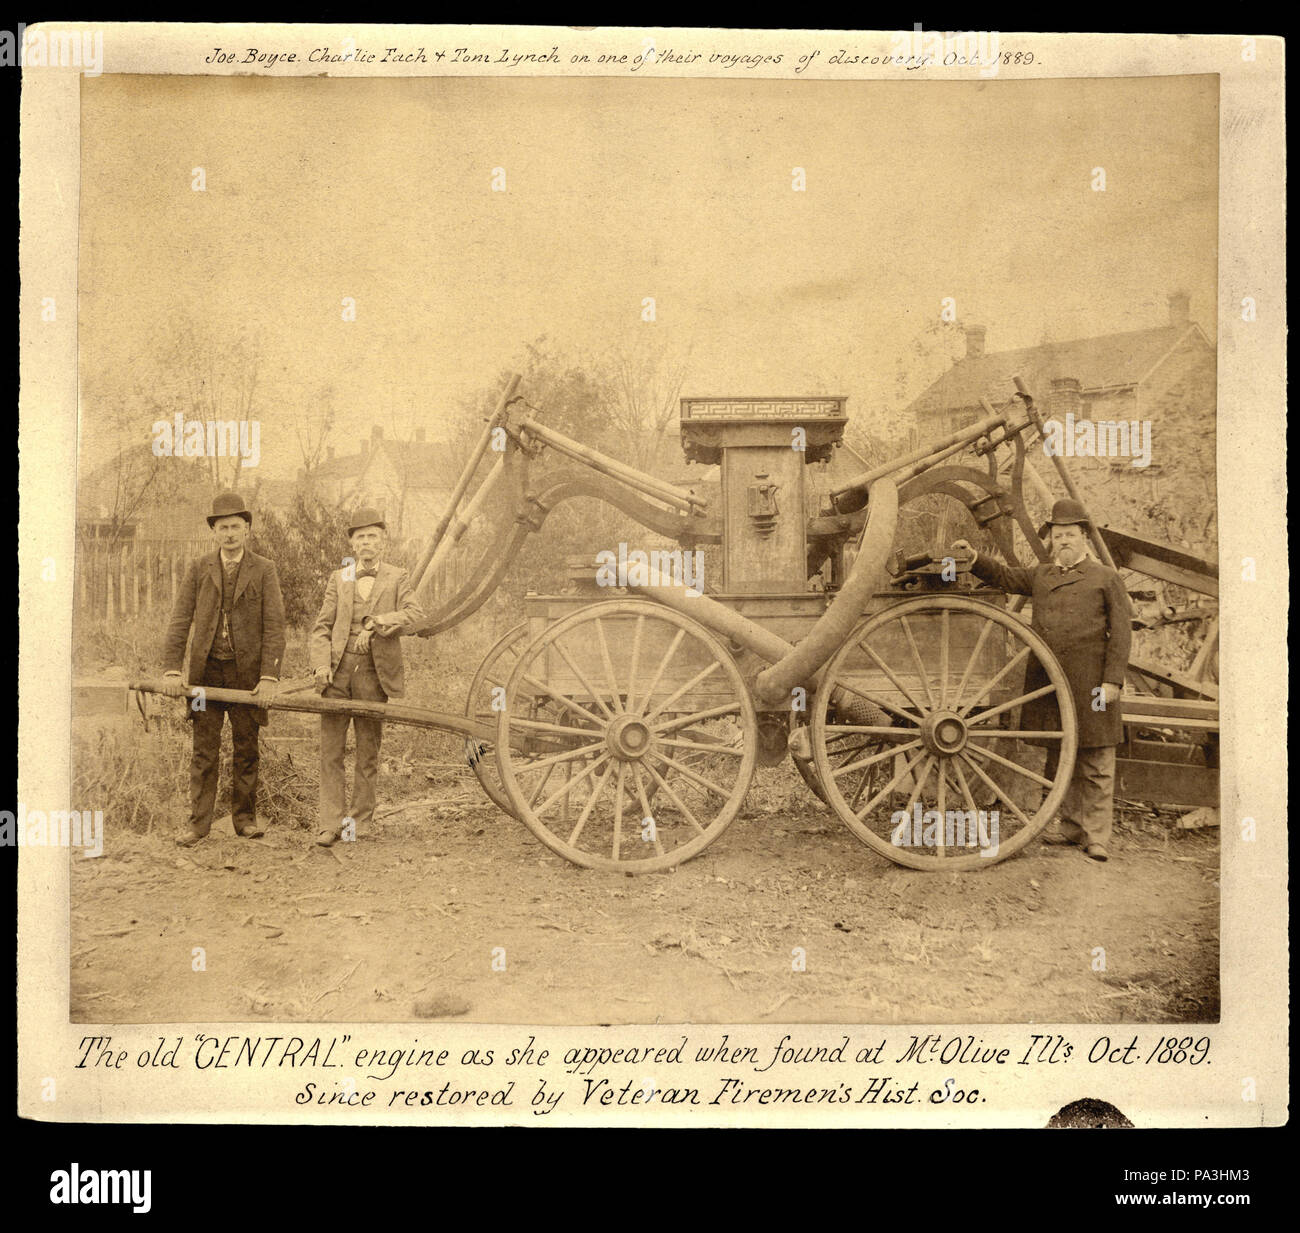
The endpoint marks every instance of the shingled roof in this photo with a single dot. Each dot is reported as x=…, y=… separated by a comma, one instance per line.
x=1111, y=361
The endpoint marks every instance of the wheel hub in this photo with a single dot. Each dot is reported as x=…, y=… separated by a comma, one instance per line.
x=944, y=732
x=629, y=738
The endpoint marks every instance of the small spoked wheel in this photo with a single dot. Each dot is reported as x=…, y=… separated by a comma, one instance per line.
x=628, y=738
x=942, y=775
x=486, y=697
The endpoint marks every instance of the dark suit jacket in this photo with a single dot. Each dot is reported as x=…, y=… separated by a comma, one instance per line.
x=1084, y=615
x=256, y=621
x=392, y=602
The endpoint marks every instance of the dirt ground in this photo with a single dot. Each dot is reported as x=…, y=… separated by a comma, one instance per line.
x=449, y=909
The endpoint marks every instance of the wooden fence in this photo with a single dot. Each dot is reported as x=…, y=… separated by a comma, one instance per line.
x=128, y=579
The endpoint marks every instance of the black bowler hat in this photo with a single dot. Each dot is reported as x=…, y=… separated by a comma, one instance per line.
x=227, y=505
x=1067, y=512
x=366, y=516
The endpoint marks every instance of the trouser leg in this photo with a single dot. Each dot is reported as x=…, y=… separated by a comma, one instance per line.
x=205, y=764
x=333, y=740
x=369, y=735
x=1088, y=809
x=244, y=761
x=1094, y=787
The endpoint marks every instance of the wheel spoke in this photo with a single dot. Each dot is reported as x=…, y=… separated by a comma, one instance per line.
x=922, y=775
x=672, y=796
x=618, y=808
x=706, y=749
x=659, y=671
x=578, y=672
x=567, y=756
x=610, y=676
x=870, y=730
x=1009, y=666
x=871, y=761
x=898, y=685
x=1019, y=734
x=942, y=803
x=916, y=659
x=562, y=699
x=591, y=802
x=700, y=779
x=993, y=712
x=965, y=787
x=646, y=811
x=943, y=662
x=569, y=785
x=708, y=670
x=875, y=700
x=1015, y=766
x=636, y=655
x=537, y=791
x=890, y=786
x=540, y=725
x=970, y=664
x=1002, y=796
x=714, y=712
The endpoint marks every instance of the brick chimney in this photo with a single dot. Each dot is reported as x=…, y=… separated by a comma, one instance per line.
x=1065, y=397
x=1180, y=308
x=974, y=341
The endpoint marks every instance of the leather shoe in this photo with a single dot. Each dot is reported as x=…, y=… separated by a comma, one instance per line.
x=1096, y=852
x=190, y=838
x=251, y=832
x=327, y=839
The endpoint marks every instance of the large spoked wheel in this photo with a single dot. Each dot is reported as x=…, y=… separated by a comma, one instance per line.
x=948, y=780
x=491, y=677
x=628, y=739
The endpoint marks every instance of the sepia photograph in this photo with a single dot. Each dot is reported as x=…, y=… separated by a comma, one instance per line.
x=798, y=496
x=668, y=577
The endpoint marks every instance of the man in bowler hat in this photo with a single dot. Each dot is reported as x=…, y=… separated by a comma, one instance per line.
x=230, y=609
x=1082, y=612
x=356, y=652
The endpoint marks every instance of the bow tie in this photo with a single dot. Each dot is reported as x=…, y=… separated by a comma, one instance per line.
x=367, y=573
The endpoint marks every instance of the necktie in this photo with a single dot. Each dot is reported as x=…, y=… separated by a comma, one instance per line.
x=368, y=573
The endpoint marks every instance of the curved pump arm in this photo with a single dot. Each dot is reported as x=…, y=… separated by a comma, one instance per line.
x=533, y=510
x=612, y=482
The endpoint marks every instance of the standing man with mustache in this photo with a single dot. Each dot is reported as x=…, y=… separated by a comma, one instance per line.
x=230, y=610
x=1082, y=612
x=356, y=652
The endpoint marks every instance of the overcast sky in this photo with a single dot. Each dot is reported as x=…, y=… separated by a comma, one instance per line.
x=617, y=190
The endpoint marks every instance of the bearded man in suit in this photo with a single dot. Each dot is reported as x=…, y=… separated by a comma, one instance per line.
x=356, y=652
x=1082, y=612
x=230, y=610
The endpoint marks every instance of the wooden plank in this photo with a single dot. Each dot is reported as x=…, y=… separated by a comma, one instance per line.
x=1166, y=783
x=1202, y=584
x=1169, y=709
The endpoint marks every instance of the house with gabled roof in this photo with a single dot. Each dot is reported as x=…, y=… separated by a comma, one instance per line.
x=410, y=481
x=1164, y=376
